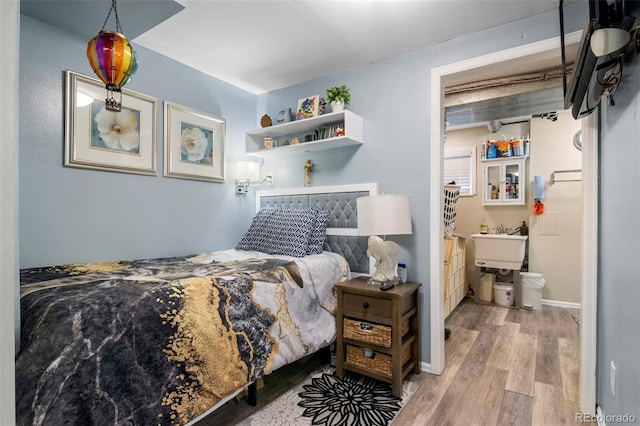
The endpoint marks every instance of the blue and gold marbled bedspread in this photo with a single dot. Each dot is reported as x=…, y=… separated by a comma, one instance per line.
x=161, y=341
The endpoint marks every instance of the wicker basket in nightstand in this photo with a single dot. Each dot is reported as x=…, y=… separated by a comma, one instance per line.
x=368, y=332
x=373, y=361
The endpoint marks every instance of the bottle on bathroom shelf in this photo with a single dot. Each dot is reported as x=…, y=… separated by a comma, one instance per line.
x=484, y=228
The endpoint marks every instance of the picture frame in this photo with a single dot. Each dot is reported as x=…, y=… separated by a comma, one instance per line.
x=98, y=139
x=308, y=107
x=194, y=144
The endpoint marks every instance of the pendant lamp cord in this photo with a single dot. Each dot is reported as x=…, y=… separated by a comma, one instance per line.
x=114, y=8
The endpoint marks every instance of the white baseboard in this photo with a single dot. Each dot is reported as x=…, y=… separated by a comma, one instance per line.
x=425, y=367
x=561, y=304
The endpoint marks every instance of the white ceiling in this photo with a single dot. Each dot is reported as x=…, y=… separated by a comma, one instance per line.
x=264, y=45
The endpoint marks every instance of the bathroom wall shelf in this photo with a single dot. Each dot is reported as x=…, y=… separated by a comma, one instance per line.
x=353, y=132
x=499, y=159
x=504, y=181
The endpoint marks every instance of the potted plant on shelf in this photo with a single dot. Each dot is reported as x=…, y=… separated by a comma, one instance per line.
x=339, y=96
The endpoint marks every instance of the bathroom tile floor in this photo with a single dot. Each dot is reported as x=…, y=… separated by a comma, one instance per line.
x=503, y=366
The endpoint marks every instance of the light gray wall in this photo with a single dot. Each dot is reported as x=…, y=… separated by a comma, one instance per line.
x=618, y=281
x=9, y=315
x=393, y=97
x=76, y=215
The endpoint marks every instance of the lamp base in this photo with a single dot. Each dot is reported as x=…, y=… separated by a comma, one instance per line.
x=385, y=254
x=385, y=284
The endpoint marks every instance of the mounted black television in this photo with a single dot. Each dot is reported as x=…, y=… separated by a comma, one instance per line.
x=593, y=74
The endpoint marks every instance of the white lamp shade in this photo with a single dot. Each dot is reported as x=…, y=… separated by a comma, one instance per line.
x=248, y=170
x=385, y=214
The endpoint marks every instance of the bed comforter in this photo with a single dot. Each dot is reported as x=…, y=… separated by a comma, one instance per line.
x=161, y=341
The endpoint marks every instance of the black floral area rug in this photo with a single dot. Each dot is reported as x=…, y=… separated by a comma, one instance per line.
x=324, y=399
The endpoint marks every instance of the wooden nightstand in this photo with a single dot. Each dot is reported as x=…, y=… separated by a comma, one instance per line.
x=378, y=332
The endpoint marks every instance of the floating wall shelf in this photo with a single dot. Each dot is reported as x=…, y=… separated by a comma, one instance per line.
x=352, y=125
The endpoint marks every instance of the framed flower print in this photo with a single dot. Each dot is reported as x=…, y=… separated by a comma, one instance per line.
x=98, y=139
x=194, y=144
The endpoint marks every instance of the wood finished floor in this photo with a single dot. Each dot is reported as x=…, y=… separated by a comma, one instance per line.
x=503, y=367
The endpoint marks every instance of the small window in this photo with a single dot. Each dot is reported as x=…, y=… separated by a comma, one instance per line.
x=460, y=167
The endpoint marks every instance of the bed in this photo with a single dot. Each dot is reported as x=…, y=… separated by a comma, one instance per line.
x=166, y=341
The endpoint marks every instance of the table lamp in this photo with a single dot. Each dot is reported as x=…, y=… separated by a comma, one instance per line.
x=385, y=214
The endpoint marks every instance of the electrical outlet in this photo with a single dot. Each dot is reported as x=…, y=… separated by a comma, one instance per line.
x=612, y=379
x=270, y=179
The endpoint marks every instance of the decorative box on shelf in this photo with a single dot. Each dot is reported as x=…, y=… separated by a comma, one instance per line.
x=326, y=131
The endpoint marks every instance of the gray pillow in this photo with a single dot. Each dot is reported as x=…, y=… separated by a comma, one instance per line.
x=318, y=233
x=280, y=231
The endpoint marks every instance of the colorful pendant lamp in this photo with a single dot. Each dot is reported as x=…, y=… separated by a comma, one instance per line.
x=113, y=60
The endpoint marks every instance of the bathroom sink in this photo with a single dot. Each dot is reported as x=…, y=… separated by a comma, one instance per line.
x=499, y=250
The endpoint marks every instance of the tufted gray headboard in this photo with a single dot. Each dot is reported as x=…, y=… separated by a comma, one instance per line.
x=342, y=227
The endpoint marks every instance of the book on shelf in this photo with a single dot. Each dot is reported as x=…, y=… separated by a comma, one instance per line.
x=332, y=131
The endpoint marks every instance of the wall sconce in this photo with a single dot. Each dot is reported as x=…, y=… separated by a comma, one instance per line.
x=248, y=174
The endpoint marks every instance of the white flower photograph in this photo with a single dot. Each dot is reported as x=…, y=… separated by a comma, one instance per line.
x=197, y=145
x=194, y=144
x=117, y=131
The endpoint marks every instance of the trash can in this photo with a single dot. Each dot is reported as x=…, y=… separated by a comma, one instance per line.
x=504, y=294
x=532, y=285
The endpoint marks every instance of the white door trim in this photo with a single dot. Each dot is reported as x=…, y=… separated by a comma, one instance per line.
x=436, y=275
x=588, y=320
x=436, y=225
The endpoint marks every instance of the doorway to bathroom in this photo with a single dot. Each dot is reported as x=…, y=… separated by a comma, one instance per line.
x=441, y=77
x=505, y=203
